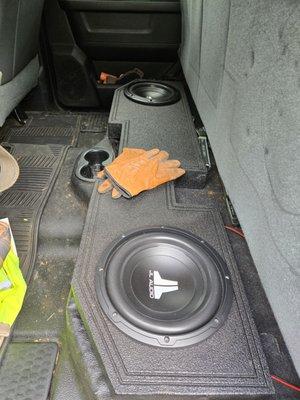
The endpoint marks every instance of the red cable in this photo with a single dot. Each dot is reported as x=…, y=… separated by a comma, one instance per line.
x=233, y=229
x=275, y=378
x=285, y=383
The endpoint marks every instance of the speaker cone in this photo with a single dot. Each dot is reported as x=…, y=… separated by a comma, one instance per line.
x=165, y=287
x=152, y=93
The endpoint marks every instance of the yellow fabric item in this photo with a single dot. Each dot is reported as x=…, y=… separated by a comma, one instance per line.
x=144, y=172
x=11, y=300
x=127, y=154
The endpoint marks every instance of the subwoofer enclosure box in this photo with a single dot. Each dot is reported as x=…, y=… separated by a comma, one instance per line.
x=169, y=127
x=179, y=311
x=228, y=363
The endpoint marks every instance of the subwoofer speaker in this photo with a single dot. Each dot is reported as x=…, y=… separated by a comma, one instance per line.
x=73, y=84
x=152, y=93
x=164, y=287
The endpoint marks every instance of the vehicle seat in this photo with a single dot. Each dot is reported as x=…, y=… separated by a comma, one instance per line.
x=19, y=65
x=241, y=62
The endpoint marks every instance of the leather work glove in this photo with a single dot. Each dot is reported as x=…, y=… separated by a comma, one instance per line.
x=143, y=172
x=127, y=154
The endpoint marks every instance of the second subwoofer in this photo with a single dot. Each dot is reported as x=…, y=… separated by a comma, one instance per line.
x=152, y=93
x=164, y=286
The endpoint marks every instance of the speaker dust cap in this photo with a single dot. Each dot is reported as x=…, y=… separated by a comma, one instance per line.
x=165, y=287
x=152, y=93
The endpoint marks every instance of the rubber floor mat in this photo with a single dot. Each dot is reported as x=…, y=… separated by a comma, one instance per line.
x=94, y=123
x=27, y=371
x=44, y=128
x=24, y=202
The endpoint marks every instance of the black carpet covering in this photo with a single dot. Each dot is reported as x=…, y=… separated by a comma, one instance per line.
x=229, y=362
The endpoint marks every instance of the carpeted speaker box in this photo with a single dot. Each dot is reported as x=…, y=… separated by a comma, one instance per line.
x=152, y=93
x=146, y=346
x=169, y=126
x=164, y=286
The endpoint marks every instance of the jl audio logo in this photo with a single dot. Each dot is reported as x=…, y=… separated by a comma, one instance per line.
x=159, y=286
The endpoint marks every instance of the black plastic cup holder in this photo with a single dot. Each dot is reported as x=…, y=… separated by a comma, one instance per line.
x=90, y=162
x=95, y=160
x=88, y=172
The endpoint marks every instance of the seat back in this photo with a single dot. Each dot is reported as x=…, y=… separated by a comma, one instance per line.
x=19, y=33
x=241, y=62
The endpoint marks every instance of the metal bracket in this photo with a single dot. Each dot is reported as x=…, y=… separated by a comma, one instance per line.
x=203, y=140
x=232, y=213
x=20, y=115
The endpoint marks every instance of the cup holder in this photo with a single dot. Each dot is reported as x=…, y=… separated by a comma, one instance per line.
x=88, y=172
x=91, y=162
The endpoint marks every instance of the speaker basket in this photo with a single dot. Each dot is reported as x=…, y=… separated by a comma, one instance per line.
x=164, y=286
x=152, y=93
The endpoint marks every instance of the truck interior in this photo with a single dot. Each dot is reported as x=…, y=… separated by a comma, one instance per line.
x=187, y=291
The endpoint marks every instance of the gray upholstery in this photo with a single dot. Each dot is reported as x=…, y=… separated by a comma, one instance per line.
x=13, y=92
x=241, y=59
x=19, y=33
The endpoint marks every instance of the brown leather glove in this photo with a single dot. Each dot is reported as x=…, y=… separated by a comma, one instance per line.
x=143, y=172
x=127, y=155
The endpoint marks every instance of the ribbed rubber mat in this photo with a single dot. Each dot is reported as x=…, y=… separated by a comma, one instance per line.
x=93, y=123
x=43, y=128
x=27, y=370
x=24, y=202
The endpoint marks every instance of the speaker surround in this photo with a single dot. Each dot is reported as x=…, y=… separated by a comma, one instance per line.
x=164, y=286
x=152, y=93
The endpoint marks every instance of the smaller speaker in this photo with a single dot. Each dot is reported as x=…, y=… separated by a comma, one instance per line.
x=152, y=93
x=164, y=286
x=72, y=74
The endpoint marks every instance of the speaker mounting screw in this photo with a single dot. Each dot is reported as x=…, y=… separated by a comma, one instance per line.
x=114, y=314
x=166, y=339
x=216, y=321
